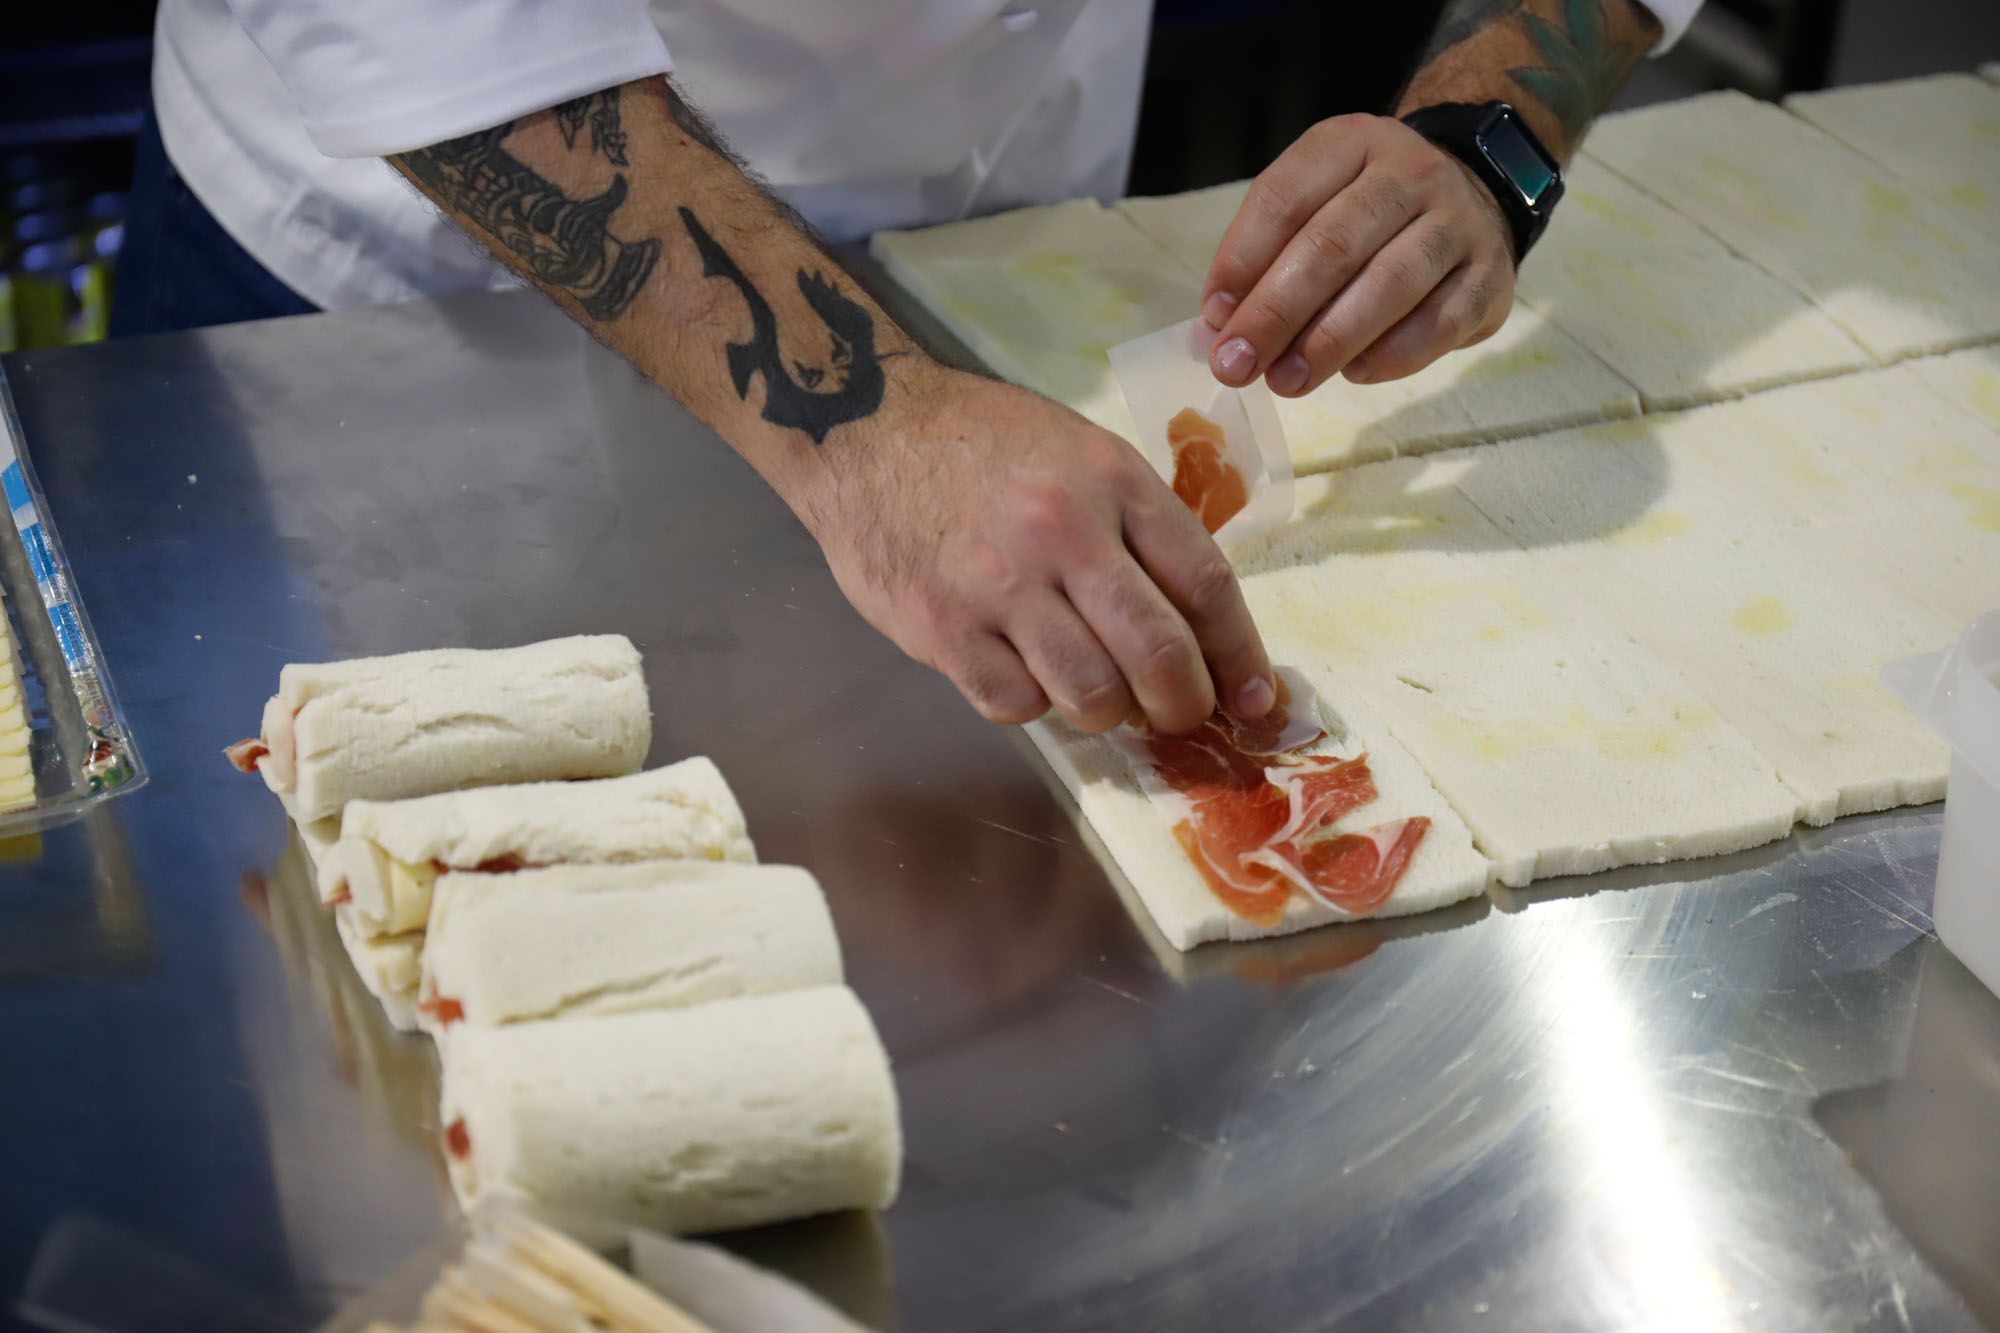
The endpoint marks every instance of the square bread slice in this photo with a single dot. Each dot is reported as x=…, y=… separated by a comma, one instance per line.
x=1189, y=226
x=1040, y=294
x=1566, y=749
x=1880, y=465
x=1901, y=272
x=1138, y=833
x=1970, y=379
x=1941, y=133
x=1781, y=633
x=1667, y=306
x=1531, y=376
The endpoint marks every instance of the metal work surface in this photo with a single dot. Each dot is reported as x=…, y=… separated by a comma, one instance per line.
x=1751, y=1093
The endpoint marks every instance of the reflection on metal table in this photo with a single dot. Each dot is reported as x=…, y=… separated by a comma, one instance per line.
x=1749, y=1093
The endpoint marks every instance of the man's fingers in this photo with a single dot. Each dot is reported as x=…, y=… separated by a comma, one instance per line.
x=1190, y=570
x=1318, y=262
x=1155, y=650
x=993, y=679
x=1282, y=199
x=1074, y=670
x=1394, y=283
x=1460, y=311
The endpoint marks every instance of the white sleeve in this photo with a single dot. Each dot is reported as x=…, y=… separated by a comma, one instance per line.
x=1674, y=17
x=373, y=77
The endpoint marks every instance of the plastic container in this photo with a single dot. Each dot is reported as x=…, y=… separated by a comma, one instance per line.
x=80, y=746
x=1957, y=692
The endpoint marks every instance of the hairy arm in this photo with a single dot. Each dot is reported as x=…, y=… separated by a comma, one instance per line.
x=1028, y=555
x=623, y=207
x=1558, y=62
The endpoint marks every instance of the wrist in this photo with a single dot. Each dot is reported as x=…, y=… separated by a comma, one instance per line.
x=815, y=480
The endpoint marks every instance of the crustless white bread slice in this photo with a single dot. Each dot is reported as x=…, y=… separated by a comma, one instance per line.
x=579, y=941
x=1941, y=133
x=1902, y=272
x=391, y=852
x=1137, y=831
x=1040, y=295
x=1667, y=305
x=724, y=1115
x=1565, y=748
x=1782, y=635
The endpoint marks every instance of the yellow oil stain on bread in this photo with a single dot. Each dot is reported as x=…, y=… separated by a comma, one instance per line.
x=1763, y=615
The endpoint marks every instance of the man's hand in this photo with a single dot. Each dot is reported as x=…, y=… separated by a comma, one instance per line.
x=1363, y=249
x=1034, y=559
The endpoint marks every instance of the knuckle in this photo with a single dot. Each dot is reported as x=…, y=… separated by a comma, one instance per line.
x=1329, y=246
x=1385, y=197
x=1439, y=247
x=1211, y=585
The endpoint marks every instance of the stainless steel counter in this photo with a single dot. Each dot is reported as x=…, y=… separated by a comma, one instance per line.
x=1752, y=1093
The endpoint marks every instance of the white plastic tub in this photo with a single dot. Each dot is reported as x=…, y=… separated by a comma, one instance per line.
x=1957, y=691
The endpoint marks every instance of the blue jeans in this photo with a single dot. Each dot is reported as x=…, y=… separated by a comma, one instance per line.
x=178, y=269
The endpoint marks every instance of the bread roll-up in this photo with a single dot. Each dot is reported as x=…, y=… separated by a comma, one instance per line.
x=390, y=853
x=573, y=941
x=723, y=1115
x=385, y=728
x=388, y=965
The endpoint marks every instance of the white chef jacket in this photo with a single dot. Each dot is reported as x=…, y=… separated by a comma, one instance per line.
x=862, y=113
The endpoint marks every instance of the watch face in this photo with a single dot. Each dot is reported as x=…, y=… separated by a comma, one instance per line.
x=1508, y=149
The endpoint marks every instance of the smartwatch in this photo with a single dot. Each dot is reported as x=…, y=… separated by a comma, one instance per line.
x=1499, y=148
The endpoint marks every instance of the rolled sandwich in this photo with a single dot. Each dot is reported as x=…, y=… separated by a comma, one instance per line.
x=385, y=728
x=572, y=941
x=724, y=1115
x=391, y=853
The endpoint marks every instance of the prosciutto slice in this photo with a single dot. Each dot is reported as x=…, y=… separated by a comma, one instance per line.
x=1255, y=813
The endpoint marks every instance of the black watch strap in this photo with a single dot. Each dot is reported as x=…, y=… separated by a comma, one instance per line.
x=1496, y=144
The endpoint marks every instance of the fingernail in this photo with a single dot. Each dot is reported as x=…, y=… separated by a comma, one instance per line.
x=1235, y=361
x=1255, y=697
x=1288, y=375
x=1218, y=308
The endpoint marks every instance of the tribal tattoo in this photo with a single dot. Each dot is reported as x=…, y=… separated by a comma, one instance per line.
x=1581, y=63
x=598, y=111
x=817, y=398
x=563, y=242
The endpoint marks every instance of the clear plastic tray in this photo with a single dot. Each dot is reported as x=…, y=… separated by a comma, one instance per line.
x=79, y=745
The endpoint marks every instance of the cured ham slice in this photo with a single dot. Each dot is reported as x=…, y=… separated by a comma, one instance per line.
x=1204, y=478
x=1254, y=813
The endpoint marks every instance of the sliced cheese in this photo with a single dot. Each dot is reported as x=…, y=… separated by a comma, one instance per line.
x=1899, y=271
x=1780, y=632
x=1137, y=831
x=390, y=966
x=1565, y=749
x=1669, y=307
x=1040, y=295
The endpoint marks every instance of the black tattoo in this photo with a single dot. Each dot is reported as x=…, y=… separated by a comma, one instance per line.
x=599, y=111
x=562, y=242
x=807, y=402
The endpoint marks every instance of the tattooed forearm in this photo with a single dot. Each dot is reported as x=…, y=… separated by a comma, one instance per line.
x=1567, y=58
x=848, y=387
x=1464, y=19
x=598, y=111
x=563, y=242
